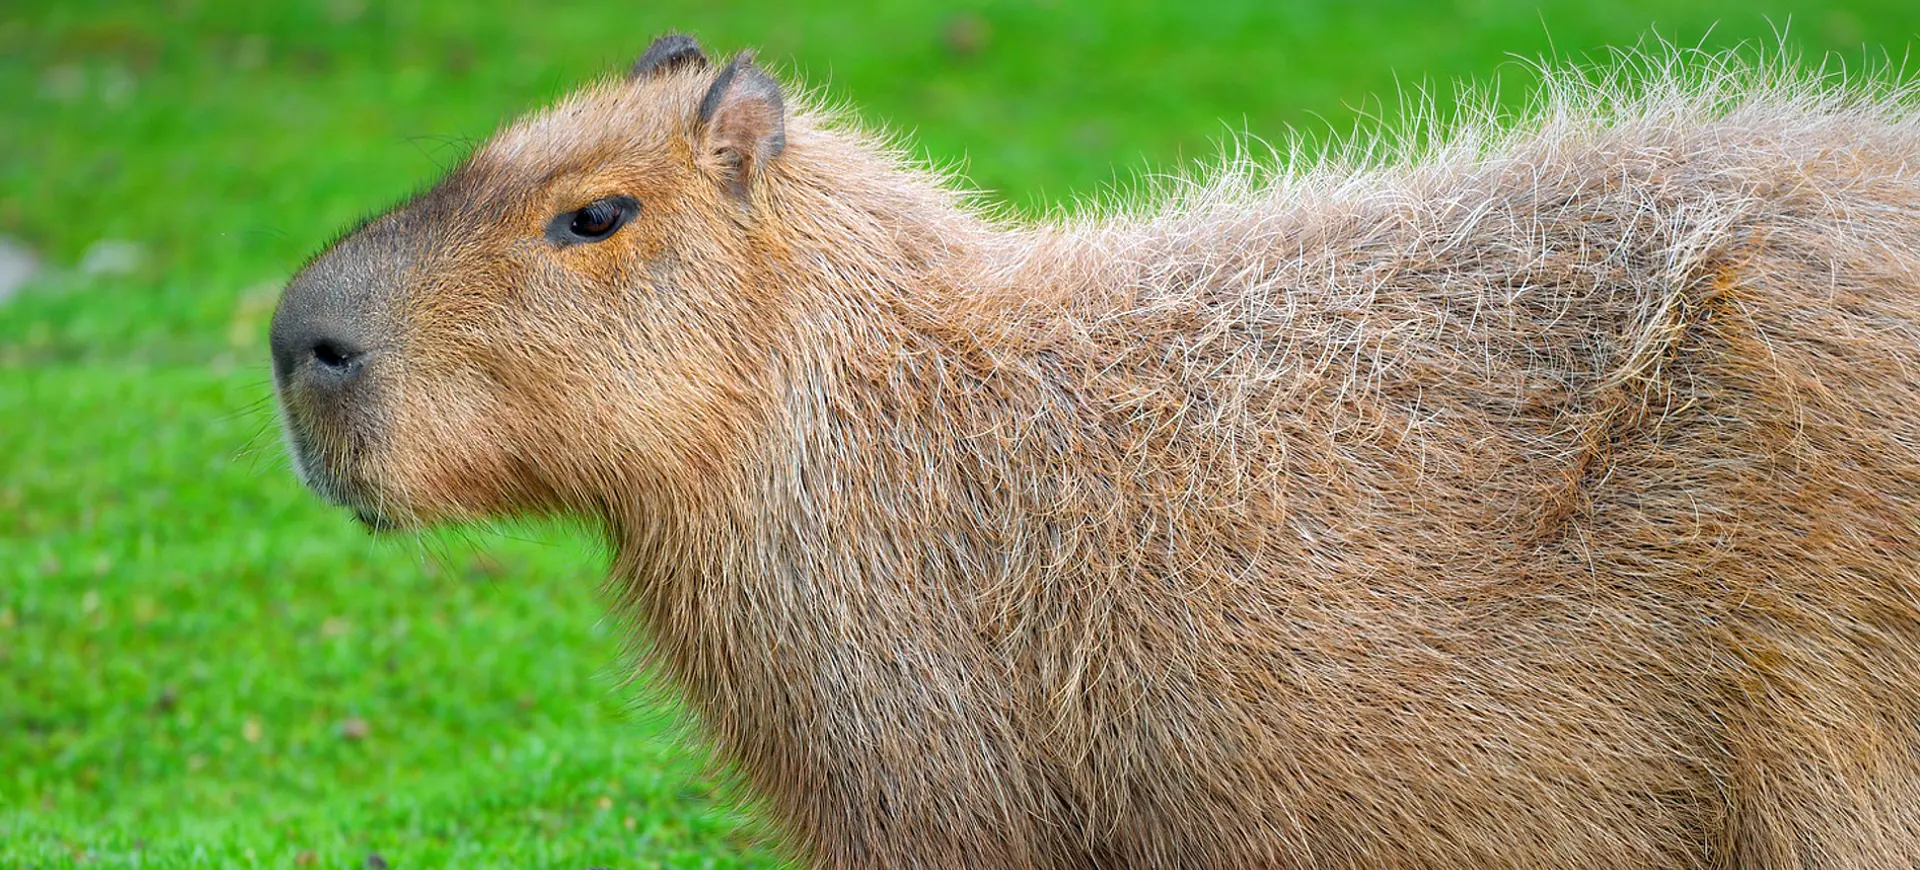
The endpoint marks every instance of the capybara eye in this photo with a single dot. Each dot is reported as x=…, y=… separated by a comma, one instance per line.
x=596, y=221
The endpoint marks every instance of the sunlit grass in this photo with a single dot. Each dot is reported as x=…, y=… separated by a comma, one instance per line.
x=202, y=666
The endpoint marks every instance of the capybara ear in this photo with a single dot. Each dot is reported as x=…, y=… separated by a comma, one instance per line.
x=743, y=120
x=670, y=52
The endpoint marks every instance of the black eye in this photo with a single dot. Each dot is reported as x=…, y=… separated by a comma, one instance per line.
x=596, y=221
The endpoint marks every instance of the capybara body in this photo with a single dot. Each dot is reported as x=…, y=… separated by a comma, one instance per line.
x=1545, y=499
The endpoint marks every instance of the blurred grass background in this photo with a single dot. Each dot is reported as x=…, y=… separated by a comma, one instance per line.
x=202, y=666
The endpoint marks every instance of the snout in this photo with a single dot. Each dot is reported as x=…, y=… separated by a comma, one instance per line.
x=321, y=365
x=327, y=343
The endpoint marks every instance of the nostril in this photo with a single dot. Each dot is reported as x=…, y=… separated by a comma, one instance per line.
x=333, y=354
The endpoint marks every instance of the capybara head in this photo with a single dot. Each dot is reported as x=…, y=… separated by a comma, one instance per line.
x=586, y=288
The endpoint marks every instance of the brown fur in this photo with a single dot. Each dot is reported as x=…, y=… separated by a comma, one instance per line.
x=1547, y=499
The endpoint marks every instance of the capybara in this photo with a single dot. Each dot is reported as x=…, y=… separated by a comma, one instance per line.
x=1544, y=496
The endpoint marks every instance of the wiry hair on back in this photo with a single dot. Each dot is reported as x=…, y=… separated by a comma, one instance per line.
x=1657, y=83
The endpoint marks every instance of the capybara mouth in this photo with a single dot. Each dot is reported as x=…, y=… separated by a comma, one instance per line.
x=316, y=471
x=355, y=498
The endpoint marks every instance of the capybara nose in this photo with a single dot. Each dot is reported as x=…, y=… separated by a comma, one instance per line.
x=328, y=354
x=337, y=357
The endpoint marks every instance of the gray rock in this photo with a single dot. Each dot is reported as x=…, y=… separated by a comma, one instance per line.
x=17, y=265
x=112, y=257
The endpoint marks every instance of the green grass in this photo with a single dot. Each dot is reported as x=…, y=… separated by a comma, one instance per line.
x=191, y=647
